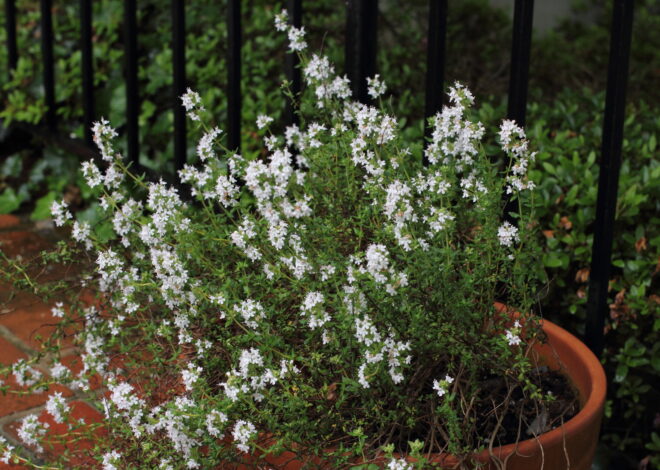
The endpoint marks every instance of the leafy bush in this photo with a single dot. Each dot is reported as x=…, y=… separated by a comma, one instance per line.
x=567, y=212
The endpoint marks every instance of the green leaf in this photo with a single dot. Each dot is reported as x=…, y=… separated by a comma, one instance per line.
x=42, y=208
x=652, y=143
x=104, y=232
x=655, y=363
x=621, y=373
x=571, y=195
x=9, y=201
x=551, y=260
x=591, y=159
x=549, y=168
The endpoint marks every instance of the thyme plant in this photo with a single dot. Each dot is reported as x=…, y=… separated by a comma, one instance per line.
x=331, y=297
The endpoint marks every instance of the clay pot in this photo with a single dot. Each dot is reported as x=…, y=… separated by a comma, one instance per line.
x=570, y=446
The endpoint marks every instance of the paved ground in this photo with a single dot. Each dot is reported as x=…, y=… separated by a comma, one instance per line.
x=24, y=322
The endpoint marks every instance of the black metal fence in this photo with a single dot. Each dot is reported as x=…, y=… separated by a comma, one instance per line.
x=360, y=60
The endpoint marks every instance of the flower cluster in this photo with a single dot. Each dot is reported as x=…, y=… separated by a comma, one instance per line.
x=325, y=282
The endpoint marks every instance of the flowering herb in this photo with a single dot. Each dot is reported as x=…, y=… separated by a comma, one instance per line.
x=332, y=296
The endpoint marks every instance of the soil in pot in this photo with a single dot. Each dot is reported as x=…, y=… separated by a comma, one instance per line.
x=505, y=412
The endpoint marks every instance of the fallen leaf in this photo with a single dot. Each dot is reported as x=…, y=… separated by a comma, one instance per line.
x=582, y=275
x=549, y=233
x=331, y=395
x=565, y=223
x=640, y=245
x=620, y=296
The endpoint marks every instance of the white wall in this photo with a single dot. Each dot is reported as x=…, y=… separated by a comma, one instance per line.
x=547, y=13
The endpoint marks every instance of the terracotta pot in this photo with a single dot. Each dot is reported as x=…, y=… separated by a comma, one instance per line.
x=570, y=446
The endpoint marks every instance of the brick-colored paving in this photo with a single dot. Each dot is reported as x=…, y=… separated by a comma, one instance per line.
x=25, y=322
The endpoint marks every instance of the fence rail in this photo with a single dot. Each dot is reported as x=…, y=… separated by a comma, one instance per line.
x=360, y=59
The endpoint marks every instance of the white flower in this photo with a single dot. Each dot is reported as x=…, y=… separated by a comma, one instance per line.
x=513, y=339
x=362, y=378
x=277, y=234
x=263, y=121
x=242, y=433
x=459, y=94
x=103, y=134
x=366, y=332
x=110, y=460
x=59, y=371
x=113, y=177
x=441, y=386
x=249, y=357
x=376, y=87
x=81, y=232
x=214, y=418
x=316, y=316
x=318, y=69
x=193, y=104
x=512, y=335
x=190, y=376
x=7, y=449
x=512, y=136
x=57, y=407
x=31, y=430
x=268, y=271
x=92, y=174
x=296, y=39
x=399, y=464
x=205, y=145
x=377, y=262
x=59, y=212
x=123, y=397
x=281, y=21
x=327, y=271
x=251, y=312
x=508, y=234
x=25, y=375
x=58, y=310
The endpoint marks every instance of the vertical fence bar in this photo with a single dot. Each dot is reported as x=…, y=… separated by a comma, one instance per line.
x=234, y=76
x=435, y=62
x=360, y=59
x=132, y=95
x=87, y=68
x=610, y=164
x=10, y=26
x=521, y=45
x=523, y=17
x=292, y=64
x=179, y=83
x=48, y=61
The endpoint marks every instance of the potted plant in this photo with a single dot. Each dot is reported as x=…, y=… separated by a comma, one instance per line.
x=330, y=302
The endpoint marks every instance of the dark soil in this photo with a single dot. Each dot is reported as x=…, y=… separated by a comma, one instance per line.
x=503, y=411
x=525, y=417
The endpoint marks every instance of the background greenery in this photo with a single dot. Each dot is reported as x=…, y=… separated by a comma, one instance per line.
x=567, y=79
